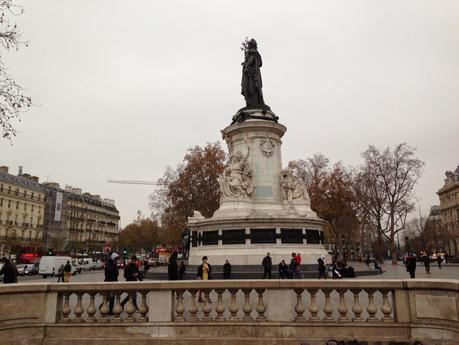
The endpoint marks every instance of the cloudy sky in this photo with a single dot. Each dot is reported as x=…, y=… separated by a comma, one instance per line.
x=123, y=88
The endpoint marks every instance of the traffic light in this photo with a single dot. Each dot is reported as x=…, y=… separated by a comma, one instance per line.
x=125, y=254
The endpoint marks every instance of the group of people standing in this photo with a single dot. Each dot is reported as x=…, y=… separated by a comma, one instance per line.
x=291, y=271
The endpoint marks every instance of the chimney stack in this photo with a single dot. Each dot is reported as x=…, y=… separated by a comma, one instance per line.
x=20, y=170
x=4, y=169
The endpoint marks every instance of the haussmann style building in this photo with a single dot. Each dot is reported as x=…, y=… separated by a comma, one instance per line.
x=449, y=205
x=22, y=208
x=44, y=216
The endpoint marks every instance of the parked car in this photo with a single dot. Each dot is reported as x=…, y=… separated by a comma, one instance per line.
x=96, y=265
x=27, y=269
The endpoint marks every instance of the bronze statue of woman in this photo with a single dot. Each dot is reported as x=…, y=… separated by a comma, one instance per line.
x=251, y=77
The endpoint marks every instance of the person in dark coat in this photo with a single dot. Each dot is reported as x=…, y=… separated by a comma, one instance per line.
x=227, y=270
x=267, y=266
x=111, y=275
x=321, y=262
x=172, y=267
x=439, y=260
x=426, y=260
x=131, y=272
x=283, y=270
x=9, y=271
x=182, y=270
x=411, y=265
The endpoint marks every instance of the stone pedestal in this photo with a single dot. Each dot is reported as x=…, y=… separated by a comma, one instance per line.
x=264, y=208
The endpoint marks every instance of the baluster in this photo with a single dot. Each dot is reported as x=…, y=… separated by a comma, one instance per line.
x=299, y=307
x=220, y=309
x=247, y=308
x=356, y=307
x=328, y=308
x=233, y=306
x=78, y=311
x=117, y=308
x=193, y=308
x=143, y=309
x=104, y=308
x=342, y=309
x=91, y=310
x=313, y=308
x=66, y=308
x=386, y=308
x=261, y=308
x=206, y=308
x=180, y=308
x=371, y=309
x=130, y=308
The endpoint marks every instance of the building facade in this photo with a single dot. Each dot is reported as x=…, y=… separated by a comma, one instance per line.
x=79, y=222
x=449, y=205
x=93, y=222
x=22, y=208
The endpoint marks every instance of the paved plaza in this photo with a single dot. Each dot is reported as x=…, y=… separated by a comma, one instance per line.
x=450, y=271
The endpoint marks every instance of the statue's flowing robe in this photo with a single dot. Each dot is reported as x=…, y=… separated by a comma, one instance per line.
x=251, y=84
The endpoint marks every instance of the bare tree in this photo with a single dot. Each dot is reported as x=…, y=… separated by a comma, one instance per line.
x=12, y=99
x=387, y=180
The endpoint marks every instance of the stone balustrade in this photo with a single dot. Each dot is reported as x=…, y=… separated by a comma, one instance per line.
x=258, y=311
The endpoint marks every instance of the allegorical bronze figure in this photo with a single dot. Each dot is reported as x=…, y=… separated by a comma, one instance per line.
x=251, y=84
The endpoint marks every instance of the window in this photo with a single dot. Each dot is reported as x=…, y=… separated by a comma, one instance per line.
x=313, y=236
x=1, y=202
x=17, y=205
x=32, y=207
x=17, y=191
x=263, y=235
x=9, y=203
x=210, y=238
x=292, y=235
x=32, y=195
x=25, y=207
x=233, y=236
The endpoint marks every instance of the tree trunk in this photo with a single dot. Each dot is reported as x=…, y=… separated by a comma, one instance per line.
x=393, y=252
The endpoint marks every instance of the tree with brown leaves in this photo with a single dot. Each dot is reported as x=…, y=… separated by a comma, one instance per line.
x=193, y=185
x=12, y=99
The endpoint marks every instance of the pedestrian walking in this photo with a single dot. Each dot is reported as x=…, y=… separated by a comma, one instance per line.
x=426, y=260
x=439, y=260
x=267, y=266
x=172, y=267
x=9, y=271
x=131, y=272
x=111, y=275
x=321, y=262
x=60, y=274
x=410, y=263
x=283, y=270
x=227, y=270
x=204, y=273
x=67, y=272
x=182, y=270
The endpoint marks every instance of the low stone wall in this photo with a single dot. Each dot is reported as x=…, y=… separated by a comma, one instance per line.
x=231, y=312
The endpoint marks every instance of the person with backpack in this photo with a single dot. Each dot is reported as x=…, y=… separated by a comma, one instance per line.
x=67, y=272
x=131, y=272
x=9, y=271
x=111, y=275
x=293, y=267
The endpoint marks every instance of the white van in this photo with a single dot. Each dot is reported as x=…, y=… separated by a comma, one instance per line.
x=49, y=265
x=83, y=264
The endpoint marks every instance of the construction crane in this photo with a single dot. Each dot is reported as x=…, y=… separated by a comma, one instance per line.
x=152, y=183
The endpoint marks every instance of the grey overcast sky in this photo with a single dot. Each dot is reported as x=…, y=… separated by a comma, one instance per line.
x=123, y=88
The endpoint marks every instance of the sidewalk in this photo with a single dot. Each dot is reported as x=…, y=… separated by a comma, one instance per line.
x=450, y=271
